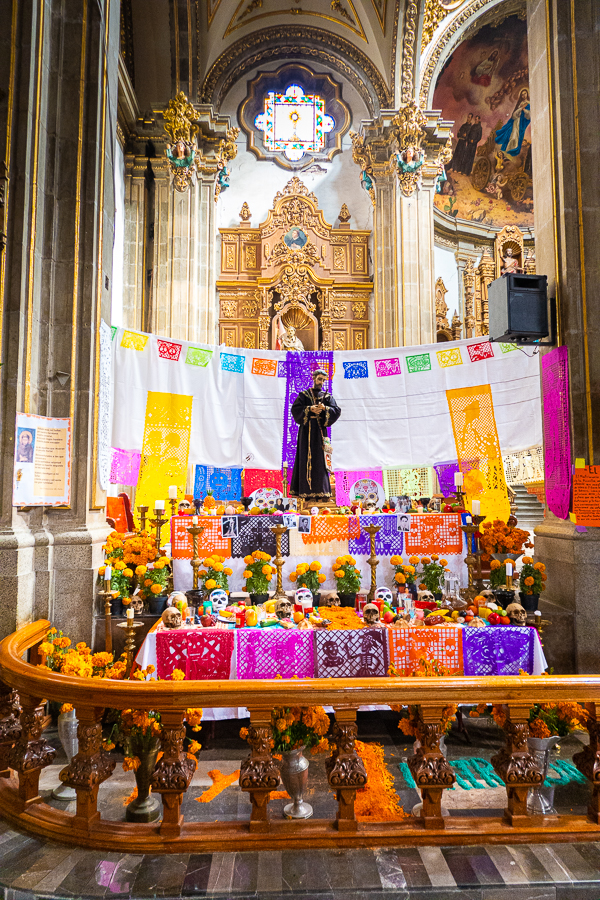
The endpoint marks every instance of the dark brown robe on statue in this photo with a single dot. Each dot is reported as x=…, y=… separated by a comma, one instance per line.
x=310, y=478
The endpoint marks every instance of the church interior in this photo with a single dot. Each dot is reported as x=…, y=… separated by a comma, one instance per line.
x=299, y=404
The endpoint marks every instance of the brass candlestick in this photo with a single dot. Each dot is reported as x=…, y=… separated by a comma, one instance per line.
x=130, y=625
x=459, y=494
x=195, y=530
x=143, y=511
x=372, y=560
x=106, y=596
x=477, y=520
x=158, y=522
x=470, y=559
x=173, y=502
x=285, y=480
x=278, y=531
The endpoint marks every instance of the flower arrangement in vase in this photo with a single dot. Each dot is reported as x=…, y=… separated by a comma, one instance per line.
x=405, y=573
x=61, y=657
x=499, y=538
x=153, y=578
x=498, y=574
x=215, y=574
x=258, y=573
x=125, y=554
x=432, y=573
x=297, y=726
x=348, y=577
x=308, y=575
x=532, y=577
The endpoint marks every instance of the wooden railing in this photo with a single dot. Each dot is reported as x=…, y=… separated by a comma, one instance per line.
x=24, y=753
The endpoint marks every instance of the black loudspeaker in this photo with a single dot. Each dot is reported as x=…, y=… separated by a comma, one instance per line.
x=518, y=308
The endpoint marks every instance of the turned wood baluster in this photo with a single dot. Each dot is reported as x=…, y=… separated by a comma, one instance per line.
x=89, y=767
x=588, y=762
x=10, y=727
x=345, y=769
x=515, y=764
x=259, y=773
x=173, y=772
x=31, y=753
x=429, y=767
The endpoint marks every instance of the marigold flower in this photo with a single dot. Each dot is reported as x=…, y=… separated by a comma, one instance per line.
x=266, y=570
x=425, y=560
x=321, y=578
x=156, y=589
x=228, y=571
x=141, y=570
x=218, y=567
x=210, y=584
x=178, y=675
x=400, y=578
x=66, y=707
x=315, y=566
x=529, y=581
x=443, y=562
x=246, y=574
x=248, y=560
x=243, y=733
x=395, y=561
x=128, y=573
x=101, y=570
x=527, y=560
x=293, y=576
x=339, y=573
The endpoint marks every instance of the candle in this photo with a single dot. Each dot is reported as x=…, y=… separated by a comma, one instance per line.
x=509, y=568
x=159, y=505
x=173, y=492
x=194, y=520
x=468, y=520
x=129, y=614
x=285, y=465
x=107, y=573
x=458, y=479
x=476, y=507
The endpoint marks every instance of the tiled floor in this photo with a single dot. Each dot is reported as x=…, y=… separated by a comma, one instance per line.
x=32, y=868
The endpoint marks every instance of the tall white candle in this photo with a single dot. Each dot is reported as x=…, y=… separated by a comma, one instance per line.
x=458, y=479
x=476, y=507
x=194, y=520
x=107, y=573
x=468, y=520
x=509, y=567
x=129, y=614
x=159, y=504
x=173, y=492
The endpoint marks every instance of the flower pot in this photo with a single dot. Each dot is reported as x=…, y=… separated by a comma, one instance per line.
x=145, y=807
x=257, y=599
x=347, y=600
x=116, y=606
x=195, y=598
x=316, y=598
x=157, y=603
x=294, y=774
x=67, y=732
x=529, y=601
x=540, y=800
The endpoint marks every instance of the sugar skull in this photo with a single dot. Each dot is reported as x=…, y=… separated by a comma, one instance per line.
x=314, y=510
x=303, y=597
x=364, y=491
x=219, y=599
x=177, y=597
x=171, y=618
x=265, y=498
x=384, y=593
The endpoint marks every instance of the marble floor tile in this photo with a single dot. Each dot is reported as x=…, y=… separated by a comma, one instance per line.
x=555, y=868
x=161, y=876
x=35, y=872
x=524, y=892
x=221, y=873
x=390, y=871
x=531, y=865
x=124, y=875
x=197, y=874
x=460, y=866
x=269, y=877
x=578, y=867
x=436, y=867
x=50, y=883
x=245, y=872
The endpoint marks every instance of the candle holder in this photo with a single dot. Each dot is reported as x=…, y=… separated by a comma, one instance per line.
x=129, y=626
x=470, y=559
x=459, y=494
x=477, y=520
x=143, y=510
x=195, y=530
x=158, y=522
x=173, y=502
x=372, y=560
x=279, y=531
x=106, y=597
x=285, y=480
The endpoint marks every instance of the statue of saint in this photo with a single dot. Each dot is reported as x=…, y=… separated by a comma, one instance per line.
x=510, y=264
x=314, y=411
x=289, y=341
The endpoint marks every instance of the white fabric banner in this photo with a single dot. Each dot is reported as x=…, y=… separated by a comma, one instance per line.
x=393, y=401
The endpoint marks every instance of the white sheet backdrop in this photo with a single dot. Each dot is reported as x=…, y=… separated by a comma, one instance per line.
x=237, y=419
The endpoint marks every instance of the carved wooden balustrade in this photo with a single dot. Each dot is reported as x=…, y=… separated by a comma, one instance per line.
x=24, y=753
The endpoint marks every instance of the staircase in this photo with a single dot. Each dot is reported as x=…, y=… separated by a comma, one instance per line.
x=530, y=512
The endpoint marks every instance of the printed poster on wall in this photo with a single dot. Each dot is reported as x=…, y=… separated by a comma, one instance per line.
x=42, y=461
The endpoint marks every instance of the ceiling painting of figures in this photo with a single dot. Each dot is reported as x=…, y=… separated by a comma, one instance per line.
x=484, y=89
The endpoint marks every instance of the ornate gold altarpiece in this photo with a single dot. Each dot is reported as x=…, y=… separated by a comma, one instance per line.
x=322, y=288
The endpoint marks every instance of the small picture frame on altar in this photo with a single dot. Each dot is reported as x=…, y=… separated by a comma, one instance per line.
x=292, y=503
x=290, y=520
x=403, y=520
x=304, y=524
x=229, y=526
x=402, y=504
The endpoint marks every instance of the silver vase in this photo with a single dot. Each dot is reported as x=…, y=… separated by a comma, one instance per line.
x=294, y=774
x=67, y=732
x=540, y=800
x=145, y=807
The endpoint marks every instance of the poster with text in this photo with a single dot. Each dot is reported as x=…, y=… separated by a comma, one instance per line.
x=42, y=461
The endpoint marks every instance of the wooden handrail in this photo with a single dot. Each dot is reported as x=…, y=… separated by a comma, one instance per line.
x=258, y=694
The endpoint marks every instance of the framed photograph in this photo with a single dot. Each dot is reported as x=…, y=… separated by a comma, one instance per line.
x=290, y=520
x=304, y=524
x=403, y=521
x=229, y=526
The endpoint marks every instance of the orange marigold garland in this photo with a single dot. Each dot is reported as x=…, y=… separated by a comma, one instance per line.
x=219, y=783
x=378, y=800
x=342, y=618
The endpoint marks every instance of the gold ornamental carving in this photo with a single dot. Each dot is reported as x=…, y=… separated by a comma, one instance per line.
x=229, y=308
x=339, y=258
x=409, y=130
x=250, y=341
x=408, y=50
x=250, y=309
x=362, y=158
x=338, y=310
x=245, y=214
x=339, y=341
x=359, y=310
x=359, y=343
x=181, y=130
x=359, y=258
x=344, y=214
x=250, y=257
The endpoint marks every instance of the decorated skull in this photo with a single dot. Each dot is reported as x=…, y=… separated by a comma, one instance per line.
x=137, y=605
x=177, y=597
x=314, y=510
x=171, y=618
x=489, y=595
x=426, y=596
x=303, y=597
x=219, y=599
x=516, y=614
x=371, y=614
x=283, y=608
x=384, y=593
x=265, y=498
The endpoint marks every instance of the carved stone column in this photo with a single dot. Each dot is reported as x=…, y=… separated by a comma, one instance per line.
x=31, y=753
x=429, y=767
x=259, y=773
x=588, y=763
x=385, y=324
x=515, y=765
x=345, y=769
x=10, y=727
x=173, y=772
x=89, y=767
